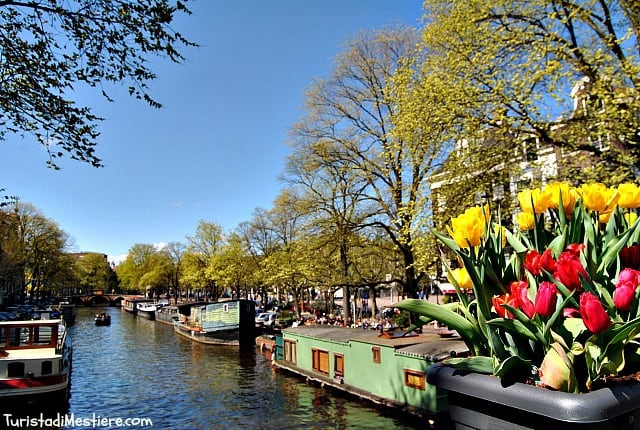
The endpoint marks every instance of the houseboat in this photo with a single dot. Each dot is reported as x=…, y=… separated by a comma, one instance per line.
x=35, y=363
x=167, y=314
x=221, y=323
x=388, y=369
x=146, y=310
x=130, y=304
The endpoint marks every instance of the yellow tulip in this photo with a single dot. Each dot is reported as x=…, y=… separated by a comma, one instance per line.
x=568, y=193
x=541, y=200
x=461, y=277
x=468, y=228
x=629, y=196
x=525, y=220
x=598, y=197
x=630, y=217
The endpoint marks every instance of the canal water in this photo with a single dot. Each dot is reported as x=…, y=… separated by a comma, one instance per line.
x=140, y=370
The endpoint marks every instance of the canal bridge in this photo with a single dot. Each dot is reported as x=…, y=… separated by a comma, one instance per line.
x=96, y=299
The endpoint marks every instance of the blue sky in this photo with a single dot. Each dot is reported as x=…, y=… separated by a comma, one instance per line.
x=215, y=150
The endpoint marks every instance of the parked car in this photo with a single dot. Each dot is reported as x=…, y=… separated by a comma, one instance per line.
x=267, y=319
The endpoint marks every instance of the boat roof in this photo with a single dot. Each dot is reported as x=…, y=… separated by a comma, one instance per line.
x=428, y=344
x=31, y=322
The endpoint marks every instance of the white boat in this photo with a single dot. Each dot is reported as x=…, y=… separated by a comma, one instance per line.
x=147, y=310
x=35, y=363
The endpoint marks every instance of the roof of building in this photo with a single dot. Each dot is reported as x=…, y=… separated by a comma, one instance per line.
x=429, y=344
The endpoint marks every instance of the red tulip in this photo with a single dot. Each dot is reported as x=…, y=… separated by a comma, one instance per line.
x=628, y=277
x=575, y=249
x=626, y=285
x=536, y=263
x=546, y=299
x=568, y=271
x=506, y=299
x=630, y=256
x=623, y=297
x=519, y=290
x=594, y=317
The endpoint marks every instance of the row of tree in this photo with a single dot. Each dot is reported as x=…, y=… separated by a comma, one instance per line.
x=35, y=264
x=358, y=200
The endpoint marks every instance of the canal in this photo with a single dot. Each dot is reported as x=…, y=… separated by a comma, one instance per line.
x=140, y=370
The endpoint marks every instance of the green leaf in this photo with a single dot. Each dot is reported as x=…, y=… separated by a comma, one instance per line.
x=480, y=364
x=469, y=333
x=513, y=367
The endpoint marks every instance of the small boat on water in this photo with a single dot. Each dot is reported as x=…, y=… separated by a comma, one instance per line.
x=221, y=323
x=103, y=318
x=147, y=310
x=35, y=362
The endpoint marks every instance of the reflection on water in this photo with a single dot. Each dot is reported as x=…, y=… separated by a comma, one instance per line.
x=139, y=369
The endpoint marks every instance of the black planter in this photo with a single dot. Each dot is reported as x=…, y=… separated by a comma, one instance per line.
x=479, y=401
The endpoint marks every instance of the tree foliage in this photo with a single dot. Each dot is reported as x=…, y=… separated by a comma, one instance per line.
x=566, y=73
x=52, y=48
x=349, y=123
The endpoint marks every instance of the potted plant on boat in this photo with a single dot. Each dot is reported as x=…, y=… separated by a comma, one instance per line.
x=552, y=324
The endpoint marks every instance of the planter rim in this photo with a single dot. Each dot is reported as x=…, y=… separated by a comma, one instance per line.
x=596, y=406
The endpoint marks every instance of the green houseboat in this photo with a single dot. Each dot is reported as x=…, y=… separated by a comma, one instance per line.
x=221, y=323
x=386, y=368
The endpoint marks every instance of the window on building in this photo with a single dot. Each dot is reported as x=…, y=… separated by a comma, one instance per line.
x=47, y=368
x=338, y=365
x=376, y=354
x=320, y=361
x=531, y=149
x=290, y=351
x=414, y=379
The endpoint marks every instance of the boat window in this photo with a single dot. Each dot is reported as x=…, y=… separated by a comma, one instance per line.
x=376, y=354
x=19, y=336
x=338, y=364
x=15, y=369
x=3, y=337
x=42, y=335
x=47, y=368
x=320, y=361
x=415, y=379
x=290, y=351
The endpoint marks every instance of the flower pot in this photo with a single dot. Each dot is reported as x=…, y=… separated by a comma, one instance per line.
x=478, y=401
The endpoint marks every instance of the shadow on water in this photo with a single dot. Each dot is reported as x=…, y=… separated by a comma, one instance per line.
x=140, y=370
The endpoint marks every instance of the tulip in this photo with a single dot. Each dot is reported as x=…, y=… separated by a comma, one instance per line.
x=594, y=317
x=568, y=271
x=630, y=218
x=598, y=197
x=629, y=196
x=540, y=199
x=546, y=299
x=526, y=220
x=628, y=277
x=630, y=256
x=626, y=285
x=468, y=228
x=506, y=299
x=461, y=277
x=569, y=196
x=623, y=297
x=520, y=290
x=536, y=263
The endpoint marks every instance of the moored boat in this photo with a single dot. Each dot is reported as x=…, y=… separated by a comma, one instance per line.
x=167, y=314
x=35, y=363
x=221, y=323
x=147, y=310
x=103, y=318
